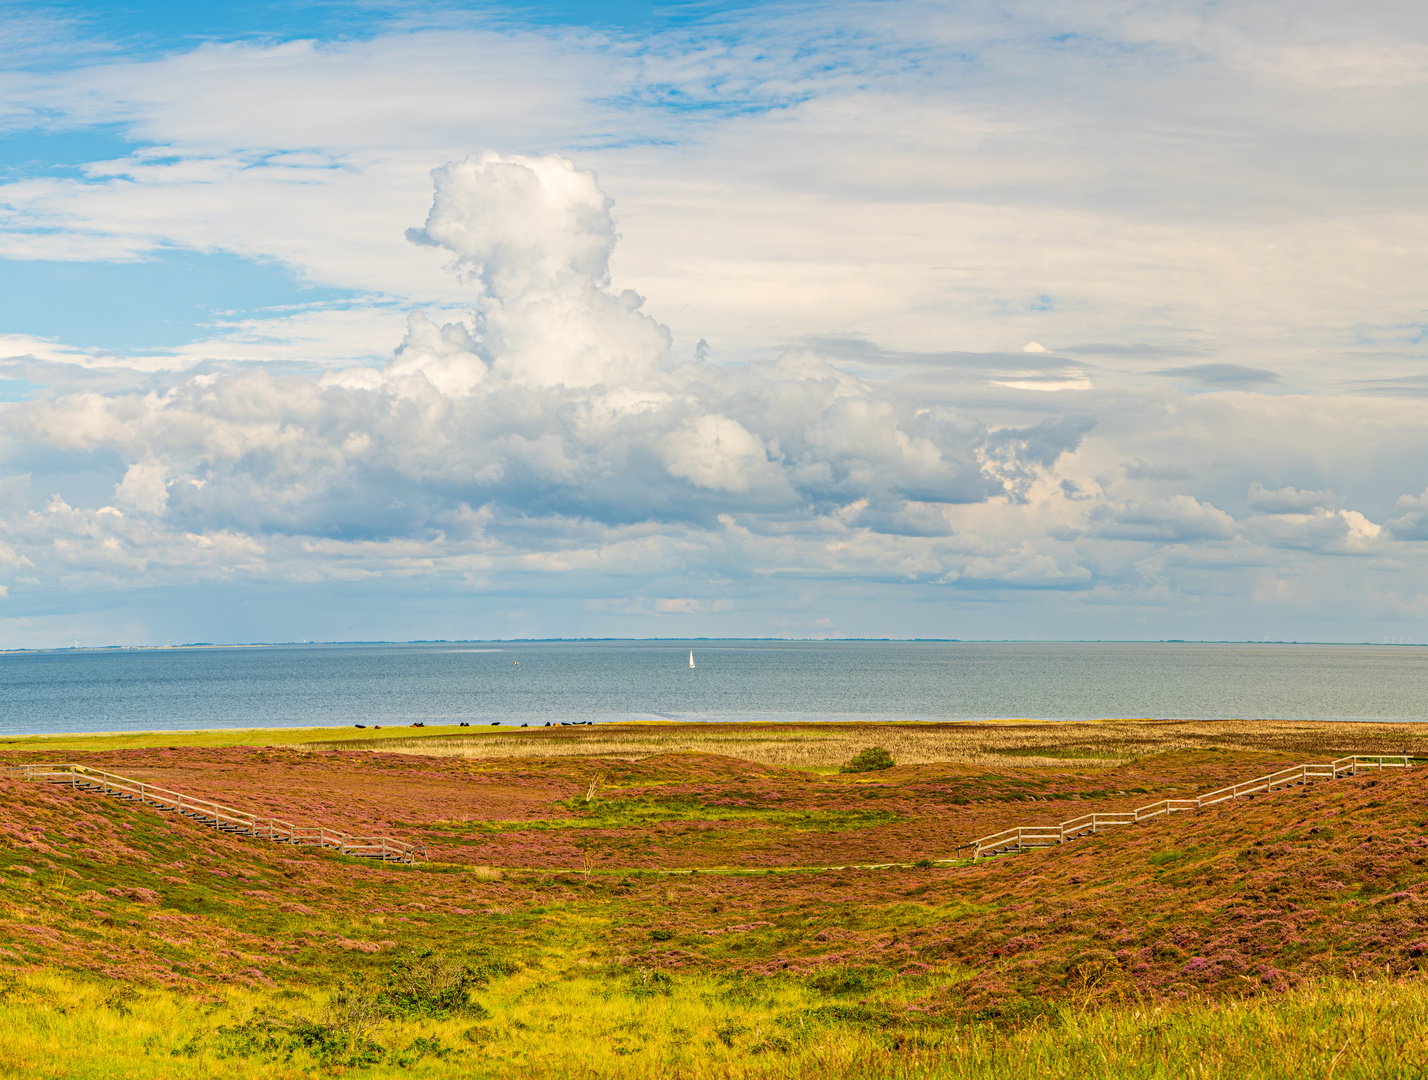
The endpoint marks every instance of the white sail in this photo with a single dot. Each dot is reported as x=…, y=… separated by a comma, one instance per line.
x=691, y=657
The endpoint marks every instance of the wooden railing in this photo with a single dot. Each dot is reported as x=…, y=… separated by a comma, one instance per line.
x=1023, y=837
x=220, y=817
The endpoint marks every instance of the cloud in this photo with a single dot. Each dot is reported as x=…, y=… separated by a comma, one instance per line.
x=144, y=487
x=1412, y=520
x=521, y=224
x=1317, y=529
x=1178, y=518
x=1139, y=470
x=660, y=605
x=1035, y=193
x=1021, y=455
x=1288, y=500
x=715, y=452
x=1049, y=383
x=867, y=213
x=1221, y=374
x=549, y=429
x=536, y=234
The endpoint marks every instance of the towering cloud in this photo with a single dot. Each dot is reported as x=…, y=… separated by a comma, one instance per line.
x=535, y=235
x=547, y=431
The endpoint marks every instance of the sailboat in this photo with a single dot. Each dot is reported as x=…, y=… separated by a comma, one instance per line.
x=691, y=657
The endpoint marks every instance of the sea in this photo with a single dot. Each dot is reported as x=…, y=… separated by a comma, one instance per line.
x=534, y=682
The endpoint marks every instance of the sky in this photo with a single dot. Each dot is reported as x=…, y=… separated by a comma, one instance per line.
x=405, y=320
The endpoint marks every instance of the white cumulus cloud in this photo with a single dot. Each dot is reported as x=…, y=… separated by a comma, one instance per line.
x=548, y=430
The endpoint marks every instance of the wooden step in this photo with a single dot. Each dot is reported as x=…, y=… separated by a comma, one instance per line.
x=1019, y=839
x=220, y=818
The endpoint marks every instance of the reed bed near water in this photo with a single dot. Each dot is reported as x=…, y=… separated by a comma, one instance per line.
x=1017, y=744
x=59, y=1025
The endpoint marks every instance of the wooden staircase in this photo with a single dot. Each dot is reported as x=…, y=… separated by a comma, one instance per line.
x=222, y=818
x=1022, y=837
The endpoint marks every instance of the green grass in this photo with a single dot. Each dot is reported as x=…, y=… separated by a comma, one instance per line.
x=626, y=1021
x=640, y=812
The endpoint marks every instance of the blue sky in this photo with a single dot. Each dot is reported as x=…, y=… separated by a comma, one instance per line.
x=1009, y=319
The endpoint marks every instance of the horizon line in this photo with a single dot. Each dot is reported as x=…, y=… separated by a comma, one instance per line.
x=638, y=640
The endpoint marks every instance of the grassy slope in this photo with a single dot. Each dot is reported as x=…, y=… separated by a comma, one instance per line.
x=1129, y=939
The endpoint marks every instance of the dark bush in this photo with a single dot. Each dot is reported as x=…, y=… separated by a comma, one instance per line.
x=727, y=1033
x=425, y=984
x=421, y=1047
x=870, y=760
x=1020, y=1012
x=336, y=1042
x=841, y=980
x=647, y=982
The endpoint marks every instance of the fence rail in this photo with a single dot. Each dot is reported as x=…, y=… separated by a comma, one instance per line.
x=220, y=817
x=1023, y=837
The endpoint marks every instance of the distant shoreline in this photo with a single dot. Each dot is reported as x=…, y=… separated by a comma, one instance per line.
x=209, y=645
x=303, y=734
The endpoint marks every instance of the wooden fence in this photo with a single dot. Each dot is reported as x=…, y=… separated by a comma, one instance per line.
x=220, y=817
x=1033, y=836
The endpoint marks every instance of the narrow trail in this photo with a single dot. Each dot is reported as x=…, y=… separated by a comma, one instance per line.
x=219, y=817
x=1021, y=837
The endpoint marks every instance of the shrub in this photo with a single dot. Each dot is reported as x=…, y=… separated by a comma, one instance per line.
x=423, y=1046
x=479, y=1034
x=427, y=985
x=340, y=1040
x=841, y=980
x=726, y=1033
x=647, y=982
x=870, y=760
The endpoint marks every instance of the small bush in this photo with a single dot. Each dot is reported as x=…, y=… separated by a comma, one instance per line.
x=339, y=1041
x=479, y=1034
x=1020, y=1012
x=870, y=760
x=728, y=1032
x=841, y=980
x=118, y=1000
x=647, y=982
x=774, y=1044
x=423, y=1046
x=427, y=985
x=869, y=1016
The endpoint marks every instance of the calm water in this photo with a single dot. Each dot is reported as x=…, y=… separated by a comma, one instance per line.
x=319, y=685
